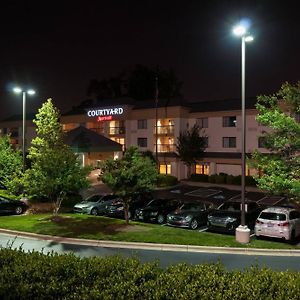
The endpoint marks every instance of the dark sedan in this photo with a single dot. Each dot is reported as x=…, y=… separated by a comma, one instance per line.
x=8, y=206
x=228, y=216
x=157, y=210
x=115, y=209
x=190, y=215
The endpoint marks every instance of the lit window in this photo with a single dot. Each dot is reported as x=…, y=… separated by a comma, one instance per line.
x=165, y=168
x=202, y=169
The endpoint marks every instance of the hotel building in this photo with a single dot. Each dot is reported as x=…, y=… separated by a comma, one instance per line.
x=105, y=130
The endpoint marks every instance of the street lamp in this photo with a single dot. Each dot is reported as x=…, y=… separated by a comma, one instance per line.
x=243, y=232
x=18, y=90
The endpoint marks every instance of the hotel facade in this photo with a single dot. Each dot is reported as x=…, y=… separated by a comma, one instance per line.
x=97, y=132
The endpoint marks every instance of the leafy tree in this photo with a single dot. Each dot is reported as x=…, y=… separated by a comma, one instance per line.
x=10, y=165
x=191, y=146
x=55, y=170
x=132, y=173
x=138, y=83
x=280, y=168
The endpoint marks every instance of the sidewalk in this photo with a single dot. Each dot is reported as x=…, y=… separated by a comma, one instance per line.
x=155, y=247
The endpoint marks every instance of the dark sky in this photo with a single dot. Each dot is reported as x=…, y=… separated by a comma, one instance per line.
x=56, y=47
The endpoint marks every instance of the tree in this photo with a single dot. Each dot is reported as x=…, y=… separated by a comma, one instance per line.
x=191, y=146
x=281, y=168
x=55, y=170
x=138, y=83
x=11, y=165
x=133, y=173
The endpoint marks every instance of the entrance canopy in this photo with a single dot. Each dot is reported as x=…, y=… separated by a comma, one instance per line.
x=82, y=139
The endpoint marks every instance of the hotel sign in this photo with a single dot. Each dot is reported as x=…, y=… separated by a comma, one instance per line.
x=105, y=114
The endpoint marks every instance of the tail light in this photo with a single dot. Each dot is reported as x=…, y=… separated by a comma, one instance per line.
x=259, y=222
x=285, y=224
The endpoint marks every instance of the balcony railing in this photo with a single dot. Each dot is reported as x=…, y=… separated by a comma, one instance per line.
x=165, y=148
x=116, y=130
x=169, y=129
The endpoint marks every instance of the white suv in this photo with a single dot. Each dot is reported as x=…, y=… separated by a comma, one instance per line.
x=279, y=222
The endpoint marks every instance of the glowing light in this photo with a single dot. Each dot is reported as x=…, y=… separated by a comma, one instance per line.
x=249, y=38
x=17, y=90
x=31, y=92
x=239, y=30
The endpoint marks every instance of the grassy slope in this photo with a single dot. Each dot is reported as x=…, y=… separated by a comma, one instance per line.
x=101, y=228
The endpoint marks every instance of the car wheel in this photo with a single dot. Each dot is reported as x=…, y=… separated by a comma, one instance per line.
x=194, y=224
x=18, y=210
x=160, y=219
x=231, y=227
x=94, y=211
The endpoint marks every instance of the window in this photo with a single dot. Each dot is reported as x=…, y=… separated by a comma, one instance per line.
x=165, y=168
x=229, y=142
x=261, y=142
x=142, y=124
x=202, y=169
x=202, y=122
x=142, y=142
x=229, y=121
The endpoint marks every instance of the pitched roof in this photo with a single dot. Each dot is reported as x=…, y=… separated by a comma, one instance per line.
x=82, y=139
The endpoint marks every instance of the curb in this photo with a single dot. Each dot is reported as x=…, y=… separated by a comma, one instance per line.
x=156, y=247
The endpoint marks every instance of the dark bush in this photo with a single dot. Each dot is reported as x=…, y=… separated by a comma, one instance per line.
x=38, y=276
x=229, y=179
x=166, y=180
x=249, y=180
x=237, y=180
x=220, y=178
x=199, y=177
x=212, y=178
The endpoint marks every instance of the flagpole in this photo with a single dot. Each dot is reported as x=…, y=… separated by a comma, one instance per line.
x=156, y=103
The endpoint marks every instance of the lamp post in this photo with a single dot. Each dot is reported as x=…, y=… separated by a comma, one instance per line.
x=18, y=90
x=243, y=232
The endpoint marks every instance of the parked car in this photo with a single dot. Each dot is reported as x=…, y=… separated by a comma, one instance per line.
x=157, y=210
x=227, y=217
x=190, y=215
x=115, y=209
x=94, y=205
x=12, y=206
x=278, y=222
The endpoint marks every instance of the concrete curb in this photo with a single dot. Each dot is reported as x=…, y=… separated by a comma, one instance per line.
x=156, y=247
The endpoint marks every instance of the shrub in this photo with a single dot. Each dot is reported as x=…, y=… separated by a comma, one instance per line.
x=199, y=177
x=237, y=180
x=212, y=178
x=229, y=179
x=52, y=276
x=220, y=178
x=249, y=180
x=166, y=180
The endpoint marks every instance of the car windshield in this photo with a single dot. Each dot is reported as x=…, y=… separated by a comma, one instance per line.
x=273, y=216
x=191, y=207
x=93, y=198
x=230, y=206
x=156, y=202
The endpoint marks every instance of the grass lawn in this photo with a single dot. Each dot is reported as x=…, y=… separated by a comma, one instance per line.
x=102, y=228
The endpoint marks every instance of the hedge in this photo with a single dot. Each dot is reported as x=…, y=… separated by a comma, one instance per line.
x=223, y=178
x=166, y=180
x=38, y=276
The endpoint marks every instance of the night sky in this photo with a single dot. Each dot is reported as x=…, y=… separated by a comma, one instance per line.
x=57, y=47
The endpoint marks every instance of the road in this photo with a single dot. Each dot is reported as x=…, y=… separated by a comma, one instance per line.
x=165, y=258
